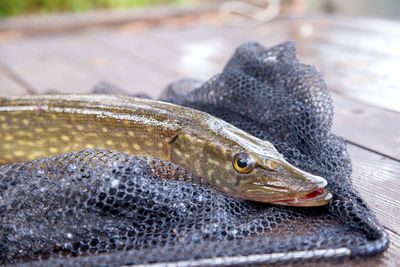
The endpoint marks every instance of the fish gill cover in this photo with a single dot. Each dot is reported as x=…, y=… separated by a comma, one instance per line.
x=105, y=208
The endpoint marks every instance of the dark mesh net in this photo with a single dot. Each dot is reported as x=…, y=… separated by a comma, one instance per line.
x=98, y=207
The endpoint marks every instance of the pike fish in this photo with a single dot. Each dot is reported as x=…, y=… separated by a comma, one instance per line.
x=229, y=159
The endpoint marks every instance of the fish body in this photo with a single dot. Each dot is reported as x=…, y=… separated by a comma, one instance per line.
x=228, y=158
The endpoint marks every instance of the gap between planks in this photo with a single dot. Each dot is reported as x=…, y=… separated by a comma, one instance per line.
x=16, y=79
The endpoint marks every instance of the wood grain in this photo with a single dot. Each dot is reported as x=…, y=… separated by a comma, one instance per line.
x=74, y=64
x=378, y=181
x=358, y=56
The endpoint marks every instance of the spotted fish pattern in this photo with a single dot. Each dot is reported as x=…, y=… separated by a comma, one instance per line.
x=226, y=157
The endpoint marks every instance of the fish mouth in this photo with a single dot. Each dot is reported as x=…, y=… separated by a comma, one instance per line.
x=319, y=197
x=315, y=197
x=307, y=190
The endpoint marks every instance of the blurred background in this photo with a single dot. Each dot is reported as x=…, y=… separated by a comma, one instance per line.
x=385, y=8
x=143, y=45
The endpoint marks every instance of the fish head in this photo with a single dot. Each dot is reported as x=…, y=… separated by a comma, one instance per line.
x=253, y=169
x=270, y=178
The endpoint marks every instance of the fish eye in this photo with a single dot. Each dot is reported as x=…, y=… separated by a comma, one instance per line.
x=243, y=163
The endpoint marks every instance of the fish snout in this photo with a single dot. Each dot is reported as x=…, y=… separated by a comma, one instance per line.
x=301, y=182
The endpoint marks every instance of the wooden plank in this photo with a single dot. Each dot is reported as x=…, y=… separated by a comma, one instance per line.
x=183, y=53
x=341, y=47
x=73, y=63
x=374, y=128
x=356, y=68
x=135, y=74
x=359, y=57
x=31, y=60
x=198, y=51
x=378, y=181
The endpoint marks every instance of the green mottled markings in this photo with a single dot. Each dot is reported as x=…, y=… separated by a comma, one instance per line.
x=38, y=126
x=31, y=130
x=43, y=135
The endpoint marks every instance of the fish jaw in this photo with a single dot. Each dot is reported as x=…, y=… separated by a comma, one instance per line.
x=319, y=197
x=284, y=184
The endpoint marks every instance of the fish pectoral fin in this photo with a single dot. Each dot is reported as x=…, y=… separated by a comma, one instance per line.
x=171, y=139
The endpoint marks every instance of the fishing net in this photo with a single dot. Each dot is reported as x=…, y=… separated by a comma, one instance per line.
x=98, y=207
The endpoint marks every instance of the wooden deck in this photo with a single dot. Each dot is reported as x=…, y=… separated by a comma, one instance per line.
x=359, y=58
